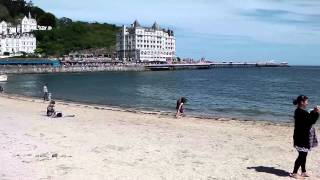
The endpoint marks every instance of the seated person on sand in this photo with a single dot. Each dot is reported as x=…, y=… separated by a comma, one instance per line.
x=51, y=112
x=180, y=106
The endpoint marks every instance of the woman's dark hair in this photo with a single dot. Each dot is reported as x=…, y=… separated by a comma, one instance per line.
x=300, y=99
x=181, y=100
x=52, y=102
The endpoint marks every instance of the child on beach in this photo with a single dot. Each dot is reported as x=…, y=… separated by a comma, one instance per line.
x=304, y=136
x=180, y=106
x=51, y=112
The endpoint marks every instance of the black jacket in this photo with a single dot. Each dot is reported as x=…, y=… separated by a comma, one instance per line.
x=302, y=125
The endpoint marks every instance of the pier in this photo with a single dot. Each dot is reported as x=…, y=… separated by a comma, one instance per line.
x=18, y=66
x=160, y=67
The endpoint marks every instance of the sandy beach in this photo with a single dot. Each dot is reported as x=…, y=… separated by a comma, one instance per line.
x=105, y=143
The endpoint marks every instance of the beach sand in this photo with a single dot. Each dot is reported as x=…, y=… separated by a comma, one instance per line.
x=101, y=143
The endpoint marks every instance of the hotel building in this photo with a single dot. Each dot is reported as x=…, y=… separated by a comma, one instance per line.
x=145, y=44
x=15, y=43
x=15, y=39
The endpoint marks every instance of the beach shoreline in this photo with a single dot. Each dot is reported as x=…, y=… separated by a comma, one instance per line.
x=143, y=110
x=116, y=144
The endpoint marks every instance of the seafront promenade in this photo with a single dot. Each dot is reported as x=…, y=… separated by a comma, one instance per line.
x=48, y=66
x=69, y=69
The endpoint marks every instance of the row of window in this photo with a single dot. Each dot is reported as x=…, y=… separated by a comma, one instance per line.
x=128, y=46
x=24, y=43
x=154, y=37
x=147, y=41
x=154, y=42
x=21, y=49
x=150, y=33
x=153, y=47
x=143, y=38
x=156, y=53
x=147, y=46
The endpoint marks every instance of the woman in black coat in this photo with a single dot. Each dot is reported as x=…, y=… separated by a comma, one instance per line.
x=304, y=136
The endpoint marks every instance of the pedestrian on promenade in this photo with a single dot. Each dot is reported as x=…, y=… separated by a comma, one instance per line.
x=304, y=136
x=45, y=92
x=1, y=89
x=180, y=106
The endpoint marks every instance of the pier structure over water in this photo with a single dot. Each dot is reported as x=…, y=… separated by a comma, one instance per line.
x=21, y=66
x=159, y=67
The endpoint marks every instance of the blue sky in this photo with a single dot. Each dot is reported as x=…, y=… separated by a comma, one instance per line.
x=220, y=30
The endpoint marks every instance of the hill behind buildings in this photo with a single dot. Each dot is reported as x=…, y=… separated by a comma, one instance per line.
x=66, y=35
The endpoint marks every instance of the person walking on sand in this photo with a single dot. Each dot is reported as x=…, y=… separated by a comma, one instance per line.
x=180, y=106
x=45, y=92
x=304, y=136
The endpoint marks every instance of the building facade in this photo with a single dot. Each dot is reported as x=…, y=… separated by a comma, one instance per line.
x=16, y=39
x=16, y=43
x=28, y=24
x=145, y=44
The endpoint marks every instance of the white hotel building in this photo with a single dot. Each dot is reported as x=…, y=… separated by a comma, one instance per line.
x=145, y=44
x=15, y=39
x=15, y=43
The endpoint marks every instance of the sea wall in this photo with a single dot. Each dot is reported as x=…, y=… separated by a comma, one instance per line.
x=50, y=69
x=35, y=69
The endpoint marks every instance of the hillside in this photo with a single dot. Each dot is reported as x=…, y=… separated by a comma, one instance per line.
x=72, y=36
x=14, y=10
x=66, y=35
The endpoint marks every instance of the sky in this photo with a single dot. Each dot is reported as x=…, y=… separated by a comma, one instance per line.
x=218, y=30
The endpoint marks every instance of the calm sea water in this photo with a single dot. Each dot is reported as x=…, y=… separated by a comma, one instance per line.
x=254, y=93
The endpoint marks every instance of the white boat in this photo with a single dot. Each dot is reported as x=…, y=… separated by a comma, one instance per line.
x=3, y=77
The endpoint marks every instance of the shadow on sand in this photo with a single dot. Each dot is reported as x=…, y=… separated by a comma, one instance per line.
x=270, y=170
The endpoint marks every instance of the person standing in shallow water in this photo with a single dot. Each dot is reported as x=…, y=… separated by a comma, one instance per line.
x=180, y=106
x=304, y=136
x=45, y=92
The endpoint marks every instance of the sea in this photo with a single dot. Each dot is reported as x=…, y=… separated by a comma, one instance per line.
x=261, y=93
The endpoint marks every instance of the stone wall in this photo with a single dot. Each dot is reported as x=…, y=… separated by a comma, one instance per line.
x=48, y=69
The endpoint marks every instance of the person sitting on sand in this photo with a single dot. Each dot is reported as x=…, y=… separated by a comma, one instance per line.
x=304, y=136
x=180, y=106
x=51, y=111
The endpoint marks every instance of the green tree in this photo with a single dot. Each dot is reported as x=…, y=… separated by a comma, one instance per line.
x=36, y=12
x=4, y=13
x=65, y=21
x=47, y=19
